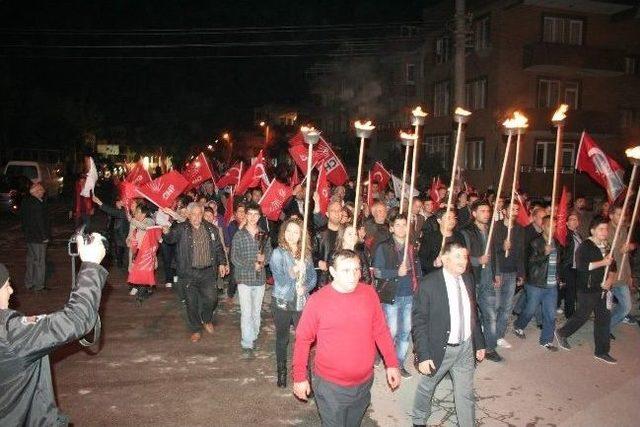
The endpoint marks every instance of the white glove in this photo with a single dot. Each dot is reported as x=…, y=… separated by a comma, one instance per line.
x=93, y=252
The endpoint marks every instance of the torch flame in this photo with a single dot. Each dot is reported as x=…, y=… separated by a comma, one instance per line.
x=518, y=121
x=364, y=126
x=462, y=112
x=408, y=136
x=417, y=112
x=633, y=153
x=309, y=130
x=560, y=113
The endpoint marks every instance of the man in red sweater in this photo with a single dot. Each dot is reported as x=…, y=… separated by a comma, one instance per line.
x=346, y=322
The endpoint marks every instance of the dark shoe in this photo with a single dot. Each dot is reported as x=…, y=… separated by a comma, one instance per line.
x=612, y=337
x=494, y=357
x=519, y=333
x=404, y=373
x=606, y=358
x=209, y=328
x=549, y=346
x=562, y=341
x=419, y=425
x=539, y=327
x=195, y=337
x=282, y=376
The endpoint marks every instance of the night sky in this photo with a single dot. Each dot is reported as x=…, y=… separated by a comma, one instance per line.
x=156, y=82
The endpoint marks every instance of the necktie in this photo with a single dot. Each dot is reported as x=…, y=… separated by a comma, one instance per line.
x=461, y=323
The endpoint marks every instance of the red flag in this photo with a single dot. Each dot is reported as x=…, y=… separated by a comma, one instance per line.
x=370, y=191
x=165, y=189
x=380, y=175
x=433, y=191
x=274, y=199
x=561, y=218
x=231, y=176
x=228, y=208
x=323, y=190
x=297, y=139
x=523, y=218
x=142, y=270
x=336, y=172
x=254, y=175
x=295, y=178
x=600, y=167
x=300, y=154
x=198, y=171
x=128, y=192
x=139, y=175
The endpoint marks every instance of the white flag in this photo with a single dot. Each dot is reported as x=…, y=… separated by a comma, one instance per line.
x=92, y=178
x=397, y=188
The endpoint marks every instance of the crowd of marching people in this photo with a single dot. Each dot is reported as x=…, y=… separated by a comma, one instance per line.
x=454, y=295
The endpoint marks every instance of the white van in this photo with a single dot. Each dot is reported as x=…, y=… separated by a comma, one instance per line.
x=47, y=174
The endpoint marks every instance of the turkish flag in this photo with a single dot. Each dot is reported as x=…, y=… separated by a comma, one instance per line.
x=322, y=188
x=228, y=209
x=274, y=199
x=433, y=192
x=523, y=218
x=197, y=171
x=380, y=175
x=336, y=172
x=165, y=189
x=231, y=176
x=254, y=175
x=143, y=268
x=300, y=154
x=370, y=191
x=561, y=218
x=139, y=175
x=600, y=167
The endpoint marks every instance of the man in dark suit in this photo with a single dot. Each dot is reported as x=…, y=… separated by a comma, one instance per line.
x=446, y=331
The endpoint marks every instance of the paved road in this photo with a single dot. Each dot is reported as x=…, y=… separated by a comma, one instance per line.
x=148, y=373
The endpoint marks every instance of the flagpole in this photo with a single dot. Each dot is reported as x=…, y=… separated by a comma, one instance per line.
x=625, y=206
x=461, y=116
x=492, y=220
x=363, y=131
x=558, y=120
x=418, y=117
x=520, y=123
x=404, y=172
x=634, y=218
x=311, y=137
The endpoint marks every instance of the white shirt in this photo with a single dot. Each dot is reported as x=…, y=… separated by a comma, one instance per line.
x=452, y=284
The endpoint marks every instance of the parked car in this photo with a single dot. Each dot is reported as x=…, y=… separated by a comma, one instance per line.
x=47, y=174
x=12, y=190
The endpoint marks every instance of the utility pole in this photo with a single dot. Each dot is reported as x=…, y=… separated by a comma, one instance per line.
x=459, y=69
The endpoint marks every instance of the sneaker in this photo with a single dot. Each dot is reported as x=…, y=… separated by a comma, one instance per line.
x=133, y=291
x=168, y=285
x=549, y=346
x=404, y=373
x=519, y=333
x=629, y=320
x=494, y=357
x=562, y=341
x=503, y=343
x=606, y=358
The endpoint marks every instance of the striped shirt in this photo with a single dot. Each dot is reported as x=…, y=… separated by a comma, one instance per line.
x=201, y=248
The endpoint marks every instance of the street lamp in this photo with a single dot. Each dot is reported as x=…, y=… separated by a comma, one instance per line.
x=266, y=131
x=227, y=137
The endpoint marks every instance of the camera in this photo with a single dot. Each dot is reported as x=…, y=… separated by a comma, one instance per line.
x=72, y=245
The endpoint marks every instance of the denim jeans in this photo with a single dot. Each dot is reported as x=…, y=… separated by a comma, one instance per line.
x=505, y=302
x=521, y=303
x=548, y=297
x=250, y=298
x=623, y=295
x=398, y=317
x=487, y=302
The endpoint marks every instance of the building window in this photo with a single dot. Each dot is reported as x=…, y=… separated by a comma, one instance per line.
x=475, y=93
x=411, y=74
x=631, y=65
x=482, y=32
x=443, y=50
x=474, y=155
x=556, y=29
x=627, y=118
x=546, y=152
x=552, y=92
x=441, y=98
x=438, y=146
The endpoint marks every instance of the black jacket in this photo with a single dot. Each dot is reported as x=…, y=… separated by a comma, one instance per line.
x=120, y=223
x=515, y=263
x=26, y=390
x=181, y=234
x=431, y=322
x=35, y=220
x=430, y=245
x=475, y=245
x=323, y=248
x=538, y=264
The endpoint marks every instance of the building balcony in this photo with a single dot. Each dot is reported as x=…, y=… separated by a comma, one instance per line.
x=554, y=58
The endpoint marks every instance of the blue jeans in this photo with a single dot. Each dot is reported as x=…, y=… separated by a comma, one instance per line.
x=505, y=302
x=398, y=317
x=548, y=297
x=250, y=298
x=623, y=295
x=521, y=303
x=487, y=301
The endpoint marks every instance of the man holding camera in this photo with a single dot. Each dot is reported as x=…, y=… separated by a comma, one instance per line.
x=25, y=341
